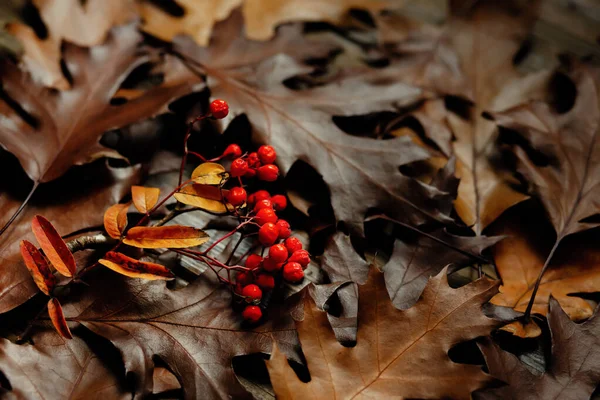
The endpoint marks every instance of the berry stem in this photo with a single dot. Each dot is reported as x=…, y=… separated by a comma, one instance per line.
x=188, y=134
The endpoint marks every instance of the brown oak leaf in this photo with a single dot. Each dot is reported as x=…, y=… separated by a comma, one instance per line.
x=398, y=353
x=76, y=372
x=574, y=370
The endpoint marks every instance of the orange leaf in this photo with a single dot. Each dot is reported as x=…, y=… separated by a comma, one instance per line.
x=133, y=268
x=205, y=197
x=115, y=220
x=172, y=236
x=53, y=245
x=58, y=318
x=144, y=198
x=38, y=267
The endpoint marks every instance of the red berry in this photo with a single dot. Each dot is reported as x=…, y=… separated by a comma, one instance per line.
x=238, y=167
x=219, y=109
x=253, y=160
x=233, y=150
x=301, y=257
x=265, y=215
x=252, y=293
x=267, y=234
x=263, y=204
x=250, y=173
x=284, y=229
x=267, y=154
x=243, y=278
x=293, y=272
x=293, y=244
x=268, y=173
x=265, y=282
x=253, y=261
x=279, y=202
x=236, y=196
x=252, y=314
x=271, y=265
x=278, y=252
x=262, y=195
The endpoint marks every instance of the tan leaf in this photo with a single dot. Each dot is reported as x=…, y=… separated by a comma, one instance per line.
x=171, y=236
x=205, y=197
x=525, y=330
x=115, y=220
x=38, y=267
x=399, y=354
x=54, y=246
x=133, y=268
x=209, y=174
x=57, y=317
x=144, y=198
x=67, y=20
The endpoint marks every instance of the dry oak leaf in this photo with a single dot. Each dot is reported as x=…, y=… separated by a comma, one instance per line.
x=77, y=373
x=398, y=353
x=69, y=124
x=261, y=17
x=84, y=24
x=70, y=207
x=299, y=124
x=574, y=369
x=194, y=330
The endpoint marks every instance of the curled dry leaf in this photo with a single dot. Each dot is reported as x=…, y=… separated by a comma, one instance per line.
x=171, y=236
x=399, y=354
x=54, y=246
x=209, y=173
x=206, y=197
x=574, y=370
x=57, y=317
x=115, y=220
x=144, y=198
x=84, y=25
x=133, y=268
x=38, y=267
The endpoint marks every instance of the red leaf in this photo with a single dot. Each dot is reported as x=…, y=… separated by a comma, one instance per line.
x=172, y=236
x=144, y=198
x=57, y=317
x=38, y=267
x=115, y=220
x=133, y=268
x=53, y=245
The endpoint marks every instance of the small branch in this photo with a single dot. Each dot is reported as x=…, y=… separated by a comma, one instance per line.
x=90, y=242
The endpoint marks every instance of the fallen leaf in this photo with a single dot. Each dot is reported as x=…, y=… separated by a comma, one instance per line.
x=70, y=207
x=574, y=370
x=133, y=268
x=205, y=197
x=77, y=373
x=54, y=246
x=353, y=167
x=115, y=220
x=57, y=317
x=144, y=198
x=194, y=330
x=85, y=25
x=209, y=173
x=400, y=354
x=38, y=267
x=170, y=236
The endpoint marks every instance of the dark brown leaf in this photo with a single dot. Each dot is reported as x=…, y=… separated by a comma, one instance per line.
x=57, y=317
x=171, y=236
x=38, y=267
x=574, y=370
x=54, y=246
x=133, y=268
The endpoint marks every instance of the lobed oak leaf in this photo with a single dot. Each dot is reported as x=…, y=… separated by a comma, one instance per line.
x=54, y=246
x=133, y=268
x=77, y=372
x=171, y=236
x=38, y=267
x=70, y=207
x=115, y=220
x=57, y=317
x=574, y=369
x=144, y=198
x=194, y=331
x=398, y=353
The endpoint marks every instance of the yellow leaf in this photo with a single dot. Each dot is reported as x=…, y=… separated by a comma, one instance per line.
x=210, y=174
x=204, y=197
x=172, y=236
x=144, y=198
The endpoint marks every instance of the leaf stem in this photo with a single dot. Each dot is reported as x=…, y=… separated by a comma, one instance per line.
x=527, y=315
x=20, y=209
